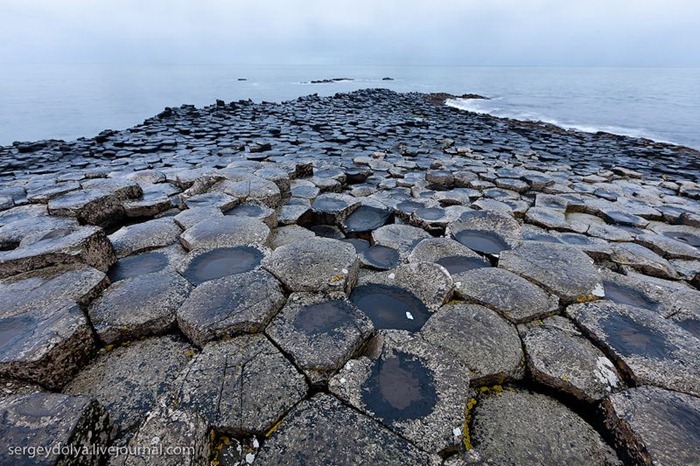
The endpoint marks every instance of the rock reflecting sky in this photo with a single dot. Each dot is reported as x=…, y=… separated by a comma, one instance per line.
x=465, y=32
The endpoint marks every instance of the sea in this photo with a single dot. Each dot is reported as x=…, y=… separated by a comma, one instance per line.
x=72, y=101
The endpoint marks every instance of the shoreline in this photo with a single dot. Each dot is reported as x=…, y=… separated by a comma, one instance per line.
x=362, y=278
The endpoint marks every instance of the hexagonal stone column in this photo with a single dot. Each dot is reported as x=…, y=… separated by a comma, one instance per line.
x=86, y=245
x=563, y=270
x=654, y=426
x=320, y=332
x=128, y=380
x=486, y=232
x=232, y=305
x=315, y=265
x=323, y=431
x=559, y=356
x=412, y=388
x=481, y=339
x=140, y=237
x=225, y=232
x=48, y=420
x=512, y=296
x=241, y=386
x=201, y=266
x=647, y=348
x=536, y=430
x=138, y=307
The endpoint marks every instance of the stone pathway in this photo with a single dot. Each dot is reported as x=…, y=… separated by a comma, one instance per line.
x=368, y=278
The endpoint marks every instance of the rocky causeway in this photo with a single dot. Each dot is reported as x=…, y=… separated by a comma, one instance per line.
x=368, y=278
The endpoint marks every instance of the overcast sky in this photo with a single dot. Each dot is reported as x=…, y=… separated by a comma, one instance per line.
x=460, y=32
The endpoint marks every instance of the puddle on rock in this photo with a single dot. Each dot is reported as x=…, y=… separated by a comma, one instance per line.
x=359, y=244
x=327, y=231
x=622, y=294
x=381, y=257
x=391, y=307
x=575, y=239
x=683, y=237
x=246, y=210
x=485, y=242
x=329, y=204
x=409, y=207
x=400, y=388
x=222, y=262
x=133, y=266
x=325, y=318
x=430, y=213
x=14, y=328
x=458, y=264
x=366, y=218
x=630, y=338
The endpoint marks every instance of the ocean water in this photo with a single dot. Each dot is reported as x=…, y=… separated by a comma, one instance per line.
x=71, y=101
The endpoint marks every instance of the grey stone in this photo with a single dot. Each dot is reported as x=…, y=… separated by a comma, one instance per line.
x=128, y=380
x=47, y=420
x=191, y=217
x=452, y=255
x=138, y=307
x=323, y=431
x=141, y=237
x=28, y=230
x=224, y=233
x=668, y=247
x=654, y=426
x=315, y=265
x=431, y=283
x=232, y=305
x=559, y=356
x=241, y=386
x=320, y=332
x=289, y=234
x=330, y=209
x=252, y=189
x=166, y=427
x=642, y=260
x=514, y=427
x=254, y=210
x=87, y=245
x=92, y=206
x=218, y=200
x=512, y=296
x=647, y=348
x=400, y=237
x=411, y=387
x=486, y=232
x=562, y=270
x=484, y=342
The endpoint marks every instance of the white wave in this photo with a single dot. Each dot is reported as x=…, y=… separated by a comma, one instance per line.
x=487, y=107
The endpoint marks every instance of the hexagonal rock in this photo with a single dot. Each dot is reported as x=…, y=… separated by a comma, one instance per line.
x=253, y=189
x=654, y=426
x=315, y=265
x=559, y=356
x=241, y=386
x=200, y=266
x=479, y=338
x=156, y=260
x=642, y=260
x=232, y=305
x=92, y=206
x=411, y=387
x=87, y=245
x=668, y=247
x=190, y=217
x=515, y=298
x=486, y=232
x=15, y=233
x=451, y=254
x=429, y=282
x=218, y=200
x=141, y=237
x=551, y=219
x=289, y=234
x=138, y=307
x=165, y=427
x=647, y=348
x=320, y=332
x=45, y=345
x=323, y=431
x=563, y=270
x=514, y=427
x=254, y=210
x=329, y=209
x=225, y=232
x=400, y=237
x=128, y=380
x=366, y=219
x=49, y=419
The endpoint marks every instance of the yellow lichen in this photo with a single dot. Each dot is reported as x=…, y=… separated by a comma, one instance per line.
x=466, y=434
x=337, y=278
x=272, y=429
x=586, y=298
x=189, y=352
x=565, y=377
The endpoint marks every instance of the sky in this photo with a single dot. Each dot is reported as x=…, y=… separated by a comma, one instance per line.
x=353, y=32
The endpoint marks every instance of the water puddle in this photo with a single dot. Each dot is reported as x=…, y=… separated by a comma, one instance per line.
x=324, y=318
x=15, y=328
x=246, y=210
x=391, y=307
x=622, y=294
x=222, y=262
x=380, y=257
x=683, y=237
x=366, y=218
x=630, y=338
x=458, y=264
x=485, y=242
x=400, y=388
x=140, y=264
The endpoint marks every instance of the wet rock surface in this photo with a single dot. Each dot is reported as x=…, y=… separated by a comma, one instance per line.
x=306, y=233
